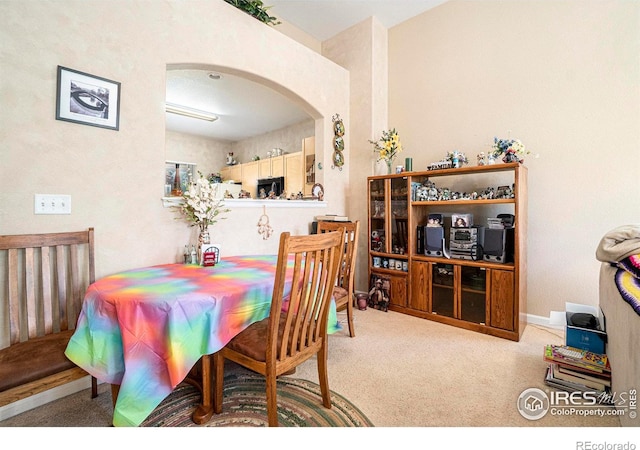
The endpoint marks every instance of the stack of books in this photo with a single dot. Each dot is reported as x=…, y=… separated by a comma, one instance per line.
x=573, y=369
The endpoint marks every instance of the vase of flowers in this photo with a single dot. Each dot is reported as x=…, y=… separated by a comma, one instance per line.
x=387, y=147
x=201, y=207
x=511, y=150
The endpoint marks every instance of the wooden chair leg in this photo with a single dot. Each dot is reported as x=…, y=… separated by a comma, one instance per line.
x=218, y=373
x=323, y=376
x=94, y=387
x=272, y=401
x=352, y=331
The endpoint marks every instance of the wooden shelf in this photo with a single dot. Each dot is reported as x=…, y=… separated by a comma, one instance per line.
x=502, y=308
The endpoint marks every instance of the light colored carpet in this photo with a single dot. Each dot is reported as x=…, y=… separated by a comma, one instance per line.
x=402, y=371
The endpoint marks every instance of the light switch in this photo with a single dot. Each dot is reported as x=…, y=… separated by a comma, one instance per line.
x=52, y=204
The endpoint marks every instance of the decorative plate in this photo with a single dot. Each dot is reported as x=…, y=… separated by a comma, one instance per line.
x=338, y=159
x=338, y=143
x=338, y=126
x=317, y=190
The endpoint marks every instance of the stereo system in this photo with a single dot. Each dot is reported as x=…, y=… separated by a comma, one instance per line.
x=474, y=243
x=466, y=243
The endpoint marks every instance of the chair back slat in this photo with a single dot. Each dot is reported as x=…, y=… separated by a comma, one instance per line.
x=44, y=282
x=315, y=265
x=14, y=298
x=30, y=287
x=46, y=290
x=346, y=272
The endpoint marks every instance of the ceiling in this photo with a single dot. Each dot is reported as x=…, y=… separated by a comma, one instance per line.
x=247, y=109
x=323, y=19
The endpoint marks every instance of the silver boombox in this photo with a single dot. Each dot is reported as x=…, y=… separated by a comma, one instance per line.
x=466, y=243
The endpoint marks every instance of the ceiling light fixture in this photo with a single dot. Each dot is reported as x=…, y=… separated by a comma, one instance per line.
x=190, y=112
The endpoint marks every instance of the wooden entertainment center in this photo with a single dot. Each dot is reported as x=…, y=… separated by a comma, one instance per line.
x=485, y=296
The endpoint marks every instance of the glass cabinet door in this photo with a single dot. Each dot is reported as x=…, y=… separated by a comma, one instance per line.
x=399, y=216
x=377, y=214
x=473, y=294
x=442, y=292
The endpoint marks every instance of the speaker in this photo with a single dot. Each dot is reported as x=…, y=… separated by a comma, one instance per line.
x=433, y=238
x=498, y=245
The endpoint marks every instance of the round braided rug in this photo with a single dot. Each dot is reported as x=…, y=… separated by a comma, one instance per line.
x=244, y=404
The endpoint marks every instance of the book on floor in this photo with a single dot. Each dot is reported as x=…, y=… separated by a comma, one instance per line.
x=575, y=378
x=571, y=357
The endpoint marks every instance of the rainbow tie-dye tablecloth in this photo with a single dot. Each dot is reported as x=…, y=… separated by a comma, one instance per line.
x=145, y=329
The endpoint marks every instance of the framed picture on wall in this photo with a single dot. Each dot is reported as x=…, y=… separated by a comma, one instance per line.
x=87, y=99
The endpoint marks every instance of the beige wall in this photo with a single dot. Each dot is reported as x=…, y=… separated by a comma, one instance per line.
x=288, y=139
x=115, y=178
x=561, y=76
x=362, y=49
x=209, y=154
x=564, y=77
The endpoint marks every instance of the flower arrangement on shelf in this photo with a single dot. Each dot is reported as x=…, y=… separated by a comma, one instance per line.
x=457, y=158
x=511, y=150
x=387, y=147
x=200, y=205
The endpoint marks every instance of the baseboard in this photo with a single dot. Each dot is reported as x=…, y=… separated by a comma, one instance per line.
x=543, y=321
x=26, y=404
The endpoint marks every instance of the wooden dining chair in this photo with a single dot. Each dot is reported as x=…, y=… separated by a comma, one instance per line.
x=343, y=292
x=296, y=328
x=43, y=281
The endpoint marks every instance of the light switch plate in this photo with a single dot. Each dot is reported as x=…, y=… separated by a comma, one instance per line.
x=52, y=204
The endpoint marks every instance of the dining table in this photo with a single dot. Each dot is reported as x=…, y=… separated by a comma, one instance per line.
x=144, y=329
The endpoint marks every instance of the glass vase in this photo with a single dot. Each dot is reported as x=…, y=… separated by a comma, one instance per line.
x=203, y=238
x=389, y=166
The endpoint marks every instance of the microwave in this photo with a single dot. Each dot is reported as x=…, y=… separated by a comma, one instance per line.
x=275, y=184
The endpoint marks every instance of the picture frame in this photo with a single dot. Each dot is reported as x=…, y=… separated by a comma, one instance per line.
x=210, y=254
x=379, y=292
x=87, y=99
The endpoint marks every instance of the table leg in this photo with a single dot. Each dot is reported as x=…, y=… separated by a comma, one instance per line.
x=204, y=411
x=115, y=390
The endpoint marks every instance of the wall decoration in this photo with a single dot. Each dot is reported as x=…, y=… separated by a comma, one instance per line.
x=264, y=228
x=338, y=142
x=318, y=191
x=87, y=99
